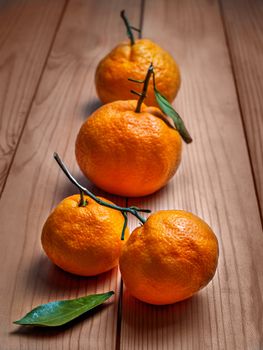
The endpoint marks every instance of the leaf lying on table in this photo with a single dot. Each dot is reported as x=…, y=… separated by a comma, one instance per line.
x=167, y=108
x=57, y=313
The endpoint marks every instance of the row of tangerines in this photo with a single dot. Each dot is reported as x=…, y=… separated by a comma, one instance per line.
x=128, y=148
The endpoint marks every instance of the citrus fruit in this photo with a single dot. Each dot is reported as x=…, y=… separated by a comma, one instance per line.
x=84, y=240
x=131, y=61
x=168, y=259
x=126, y=152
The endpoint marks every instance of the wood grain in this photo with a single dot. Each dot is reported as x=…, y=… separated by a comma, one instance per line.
x=215, y=182
x=244, y=32
x=65, y=97
x=27, y=29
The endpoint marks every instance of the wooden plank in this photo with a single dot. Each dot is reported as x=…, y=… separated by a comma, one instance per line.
x=65, y=97
x=27, y=29
x=244, y=31
x=215, y=182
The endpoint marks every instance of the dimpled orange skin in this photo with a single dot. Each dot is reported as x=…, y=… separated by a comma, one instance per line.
x=83, y=240
x=126, y=61
x=128, y=153
x=172, y=256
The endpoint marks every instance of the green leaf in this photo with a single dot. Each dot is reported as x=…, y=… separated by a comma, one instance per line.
x=57, y=313
x=167, y=109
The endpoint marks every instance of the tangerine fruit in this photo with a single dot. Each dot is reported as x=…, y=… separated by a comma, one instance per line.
x=168, y=259
x=126, y=152
x=83, y=240
x=131, y=61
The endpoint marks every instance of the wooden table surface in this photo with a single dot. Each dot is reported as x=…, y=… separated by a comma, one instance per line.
x=49, y=50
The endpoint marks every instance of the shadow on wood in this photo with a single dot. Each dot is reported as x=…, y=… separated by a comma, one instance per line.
x=45, y=276
x=139, y=315
x=90, y=107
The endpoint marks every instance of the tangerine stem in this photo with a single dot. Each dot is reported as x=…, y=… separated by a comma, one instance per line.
x=141, y=19
x=82, y=202
x=144, y=89
x=128, y=27
x=132, y=210
x=124, y=225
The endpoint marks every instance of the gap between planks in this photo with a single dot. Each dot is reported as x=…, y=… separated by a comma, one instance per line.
x=120, y=301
